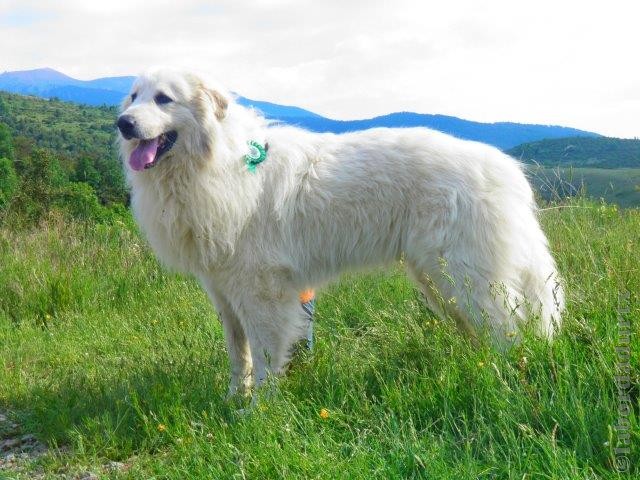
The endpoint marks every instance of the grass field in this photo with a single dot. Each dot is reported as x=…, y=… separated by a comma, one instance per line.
x=106, y=357
x=620, y=185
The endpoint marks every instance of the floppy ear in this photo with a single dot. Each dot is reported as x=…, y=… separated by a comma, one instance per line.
x=220, y=102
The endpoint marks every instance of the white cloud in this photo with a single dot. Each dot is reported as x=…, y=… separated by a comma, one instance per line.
x=546, y=61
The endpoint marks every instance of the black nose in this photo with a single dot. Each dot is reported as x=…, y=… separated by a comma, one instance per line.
x=127, y=126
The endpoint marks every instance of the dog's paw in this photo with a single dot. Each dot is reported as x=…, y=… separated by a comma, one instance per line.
x=239, y=388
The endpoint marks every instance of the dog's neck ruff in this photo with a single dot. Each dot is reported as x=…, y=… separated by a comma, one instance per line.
x=257, y=154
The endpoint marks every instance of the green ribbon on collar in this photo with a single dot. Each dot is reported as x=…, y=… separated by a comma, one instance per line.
x=257, y=154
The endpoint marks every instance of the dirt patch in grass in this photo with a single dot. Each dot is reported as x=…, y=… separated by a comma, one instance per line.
x=17, y=449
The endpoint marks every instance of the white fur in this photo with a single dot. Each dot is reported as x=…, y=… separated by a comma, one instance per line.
x=461, y=214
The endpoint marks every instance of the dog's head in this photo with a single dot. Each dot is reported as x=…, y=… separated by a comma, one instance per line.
x=168, y=116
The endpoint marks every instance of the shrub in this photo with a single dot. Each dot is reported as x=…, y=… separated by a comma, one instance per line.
x=79, y=201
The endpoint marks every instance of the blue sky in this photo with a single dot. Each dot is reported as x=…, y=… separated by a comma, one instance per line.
x=550, y=62
x=23, y=18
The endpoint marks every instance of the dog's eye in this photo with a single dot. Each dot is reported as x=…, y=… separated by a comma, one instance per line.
x=133, y=97
x=162, y=99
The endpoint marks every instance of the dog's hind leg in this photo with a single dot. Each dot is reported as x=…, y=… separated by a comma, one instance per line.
x=434, y=299
x=457, y=290
x=236, y=340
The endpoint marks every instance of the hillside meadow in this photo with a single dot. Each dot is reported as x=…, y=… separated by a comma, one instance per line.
x=113, y=367
x=619, y=186
x=107, y=357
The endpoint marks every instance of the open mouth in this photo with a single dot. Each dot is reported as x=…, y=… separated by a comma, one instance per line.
x=148, y=152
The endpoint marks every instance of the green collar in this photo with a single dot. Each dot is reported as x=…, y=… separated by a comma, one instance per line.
x=257, y=154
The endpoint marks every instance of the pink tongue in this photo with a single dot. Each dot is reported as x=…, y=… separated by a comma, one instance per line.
x=144, y=154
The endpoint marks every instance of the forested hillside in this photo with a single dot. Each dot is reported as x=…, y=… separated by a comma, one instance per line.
x=57, y=155
x=66, y=128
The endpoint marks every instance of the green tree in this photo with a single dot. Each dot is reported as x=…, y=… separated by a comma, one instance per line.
x=86, y=172
x=79, y=200
x=8, y=182
x=112, y=187
x=42, y=182
x=4, y=107
x=6, y=142
x=23, y=148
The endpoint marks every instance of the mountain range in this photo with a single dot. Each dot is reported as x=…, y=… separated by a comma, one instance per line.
x=49, y=83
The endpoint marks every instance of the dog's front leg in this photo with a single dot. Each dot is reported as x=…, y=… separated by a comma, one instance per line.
x=273, y=326
x=236, y=340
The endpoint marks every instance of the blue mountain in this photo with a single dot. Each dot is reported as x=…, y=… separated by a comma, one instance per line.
x=41, y=78
x=277, y=112
x=116, y=84
x=503, y=135
x=49, y=83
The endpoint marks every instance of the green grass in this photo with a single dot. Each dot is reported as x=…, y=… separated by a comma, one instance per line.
x=100, y=348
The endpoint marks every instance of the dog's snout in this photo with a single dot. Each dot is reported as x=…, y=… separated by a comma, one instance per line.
x=127, y=126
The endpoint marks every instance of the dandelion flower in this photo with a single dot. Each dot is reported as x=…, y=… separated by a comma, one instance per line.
x=324, y=413
x=480, y=364
x=162, y=427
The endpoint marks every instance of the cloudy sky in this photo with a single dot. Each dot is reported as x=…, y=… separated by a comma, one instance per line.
x=552, y=62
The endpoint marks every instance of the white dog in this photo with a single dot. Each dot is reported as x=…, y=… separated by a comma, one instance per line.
x=260, y=212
